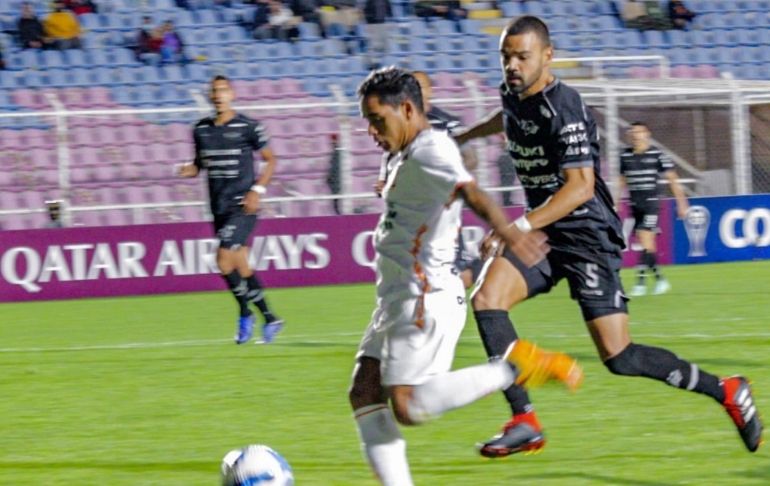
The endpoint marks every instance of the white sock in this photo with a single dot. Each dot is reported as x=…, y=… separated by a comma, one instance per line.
x=455, y=389
x=383, y=445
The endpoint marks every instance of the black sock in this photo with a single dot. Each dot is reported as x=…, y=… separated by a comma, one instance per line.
x=641, y=269
x=651, y=262
x=497, y=333
x=238, y=288
x=257, y=297
x=663, y=365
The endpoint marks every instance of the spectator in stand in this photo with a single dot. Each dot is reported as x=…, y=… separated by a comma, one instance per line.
x=333, y=176
x=54, y=214
x=679, y=14
x=340, y=17
x=281, y=22
x=144, y=47
x=376, y=12
x=80, y=7
x=444, y=9
x=62, y=28
x=171, y=47
x=30, y=29
x=307, y=10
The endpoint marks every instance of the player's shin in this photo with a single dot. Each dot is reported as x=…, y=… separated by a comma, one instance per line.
x=663, y=365
x=497, y=333
x=383, y=445
x=239, y=289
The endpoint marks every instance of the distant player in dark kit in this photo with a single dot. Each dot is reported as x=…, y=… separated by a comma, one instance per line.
x=641, y=167
x=224, y=146
x=554, y=143
x=467, y=264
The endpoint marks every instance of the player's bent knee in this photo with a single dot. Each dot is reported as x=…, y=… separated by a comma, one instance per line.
x=400, y=403
x=625, y=363
x=366, y=388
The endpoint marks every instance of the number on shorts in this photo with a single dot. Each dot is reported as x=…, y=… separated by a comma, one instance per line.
x=592, y=270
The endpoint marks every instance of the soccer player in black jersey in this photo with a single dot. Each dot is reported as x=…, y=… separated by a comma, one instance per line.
x=224, y=147
x=641, y=167
x=468, y=265
x=554, y=143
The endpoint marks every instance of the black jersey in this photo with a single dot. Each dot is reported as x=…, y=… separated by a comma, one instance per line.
x=547, y=133
x=227, y=153
x=642, y=172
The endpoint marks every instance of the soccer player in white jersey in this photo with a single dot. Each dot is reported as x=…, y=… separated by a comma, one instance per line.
x=407, y=350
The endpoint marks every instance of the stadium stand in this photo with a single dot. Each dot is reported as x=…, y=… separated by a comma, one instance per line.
x=124, y=159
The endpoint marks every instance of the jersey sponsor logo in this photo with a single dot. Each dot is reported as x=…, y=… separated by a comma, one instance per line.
x=232, y=135
x=574, y=138
x=528, y=127
x=573, y=150
x=538, y=180
x=515, y=148
x=527, y=164
x=572, y=128
x=740, y=228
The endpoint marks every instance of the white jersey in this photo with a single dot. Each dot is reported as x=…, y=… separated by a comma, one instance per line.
x=416, y=237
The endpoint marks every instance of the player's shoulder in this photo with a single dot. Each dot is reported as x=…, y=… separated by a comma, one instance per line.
x=204, y=122
x=654, y=150
x=627, y=152
x=241, y=118
x=433, y=145
x=563, y=97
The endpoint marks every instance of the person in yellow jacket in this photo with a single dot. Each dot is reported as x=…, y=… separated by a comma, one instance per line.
x=62, y=28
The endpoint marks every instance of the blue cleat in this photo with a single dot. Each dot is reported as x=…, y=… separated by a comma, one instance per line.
x=245, y=329
x=270, y=329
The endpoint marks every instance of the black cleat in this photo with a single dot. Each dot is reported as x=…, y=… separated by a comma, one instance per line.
x=521, y=434
x=740, y=406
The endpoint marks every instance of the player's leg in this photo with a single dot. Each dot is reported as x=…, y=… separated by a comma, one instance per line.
x=502, y=286
x=606, y=316
x=470, y=270
x=420, y=384
x=227, y=261
x=381, y=441
x=256, y=295
x=647, y=239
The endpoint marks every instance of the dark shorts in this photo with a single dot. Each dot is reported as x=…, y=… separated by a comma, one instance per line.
x=594, y=279
x=646, y=217
x=473, y=264
x=233, y=229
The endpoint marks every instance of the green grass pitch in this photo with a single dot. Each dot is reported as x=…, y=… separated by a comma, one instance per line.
x=152, y=391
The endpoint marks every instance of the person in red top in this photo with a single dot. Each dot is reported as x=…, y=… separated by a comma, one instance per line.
x=80, y=7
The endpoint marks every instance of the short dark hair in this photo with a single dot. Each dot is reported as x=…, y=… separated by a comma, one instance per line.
x=392, y=85
x=220, y=77
x=639, y=124
x=529, y=23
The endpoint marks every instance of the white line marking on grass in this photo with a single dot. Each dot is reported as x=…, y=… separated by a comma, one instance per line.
x=309, y=339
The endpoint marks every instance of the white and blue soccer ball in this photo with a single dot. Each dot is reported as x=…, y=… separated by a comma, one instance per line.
x=256, y=465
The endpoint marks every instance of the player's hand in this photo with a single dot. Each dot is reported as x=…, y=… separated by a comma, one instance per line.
x=251, y=202
x=491, y=246
x=378, y=187
x=187, y=170
x=531, y=247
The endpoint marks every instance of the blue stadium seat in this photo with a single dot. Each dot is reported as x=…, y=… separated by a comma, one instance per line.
x=654, y=39
x=309, y=31
x=511, y=9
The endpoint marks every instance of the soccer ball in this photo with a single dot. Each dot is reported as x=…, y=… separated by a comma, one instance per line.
x=256, y=465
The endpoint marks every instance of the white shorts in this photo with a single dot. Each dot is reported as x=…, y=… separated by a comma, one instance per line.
x=410, y=354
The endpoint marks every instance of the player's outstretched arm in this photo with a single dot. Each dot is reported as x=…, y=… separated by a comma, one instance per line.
x=491, y=125
x=578, y=188
x=529, y=246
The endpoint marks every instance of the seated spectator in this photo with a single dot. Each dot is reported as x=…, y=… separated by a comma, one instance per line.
x=30, y=29
x=339, y=17
x=147, y=47
x=171, y=46
x=644, y=15
x=307, y=10
x=281, y=22
x=444, y=9
x=679, y=14
x=80, y=7
x=62, y=28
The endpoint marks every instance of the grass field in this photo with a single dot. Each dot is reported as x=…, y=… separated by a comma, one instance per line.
x=151, y=391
